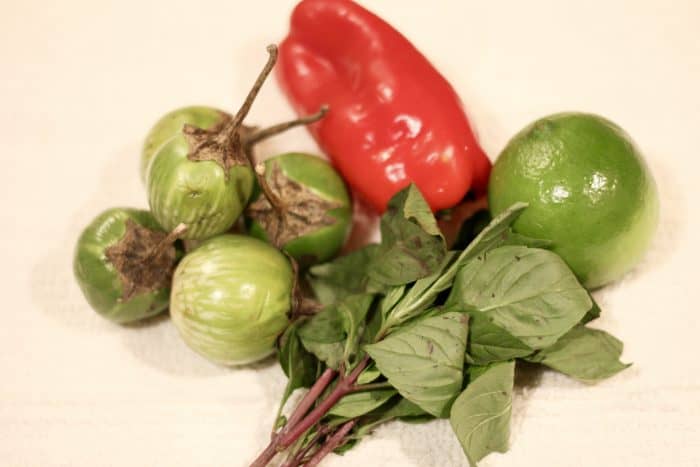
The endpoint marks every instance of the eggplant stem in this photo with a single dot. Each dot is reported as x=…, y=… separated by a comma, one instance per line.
x=277, y=204
x=284, y=126
x=245, y=108
x=167, y=241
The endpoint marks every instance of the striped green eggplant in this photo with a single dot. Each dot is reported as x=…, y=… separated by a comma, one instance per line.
x=171, y=125
x=123, y=264
x=231, y=297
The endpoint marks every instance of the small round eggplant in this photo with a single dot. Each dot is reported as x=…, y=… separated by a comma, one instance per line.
x=124, y=263
x=311, y=213
x=203, y=177
x=171, y=125
x=231, y=298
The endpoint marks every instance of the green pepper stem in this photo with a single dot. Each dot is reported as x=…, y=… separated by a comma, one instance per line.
x=284, y=126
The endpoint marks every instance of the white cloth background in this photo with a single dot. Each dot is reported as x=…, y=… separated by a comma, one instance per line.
x=82, y=81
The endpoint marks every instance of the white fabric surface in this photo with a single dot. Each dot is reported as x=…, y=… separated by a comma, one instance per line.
x=82, y=81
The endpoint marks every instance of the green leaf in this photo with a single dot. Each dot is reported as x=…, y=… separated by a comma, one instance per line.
x=374, y=322
x=346, y=275
x=425, y=291
x=494, y=235
x=353, y=310
x=329, y=353
x=369, y=374
x=412, y=245
x=514, y=238
x=299, y=365
x=490, y=343
x=588, y=355
x=324, y=336
x=404, y=409
x=359, y=403
x=422, y=294
x=326, y=326
x=480, y=417
x=398, y=408
x=415, y=207
x=593, y=313
x=424, y=361
x=391, y=298
x=334, y=333
x=528, y=292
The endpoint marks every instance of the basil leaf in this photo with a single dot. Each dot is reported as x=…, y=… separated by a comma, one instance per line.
x=412, y=245
x=530, y=293
x=353, y=310
x=334, y=333
x=493, y=235
x=323, y=335
x=369, y=374
x=398, y=408
x=425, y=291
x=299, y=365
x=329, y=353
x=373, y=324
x=422, y=294
x=391, y=298
x=415, y=207
x=404, y=409
x=424, y=361
x=588, y=355
x=514, y=238
x=343, y=276
x=359, y=403
x=480, y=417
x=325, y=327
x=593, y=313
x=490, y=343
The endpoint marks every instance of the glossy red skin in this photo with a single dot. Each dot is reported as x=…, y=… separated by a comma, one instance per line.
x=393, y=118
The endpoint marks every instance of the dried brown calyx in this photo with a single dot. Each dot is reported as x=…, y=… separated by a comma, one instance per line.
x=229, y=143
x=289, y=209
x=215, y=145
x=144, y=259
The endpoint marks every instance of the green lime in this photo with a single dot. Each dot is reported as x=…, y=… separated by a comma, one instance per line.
x=589, y=192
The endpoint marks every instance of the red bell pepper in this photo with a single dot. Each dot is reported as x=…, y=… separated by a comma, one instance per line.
x=393, y=118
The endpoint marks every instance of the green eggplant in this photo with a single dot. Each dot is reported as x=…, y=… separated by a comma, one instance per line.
x=123, y=264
